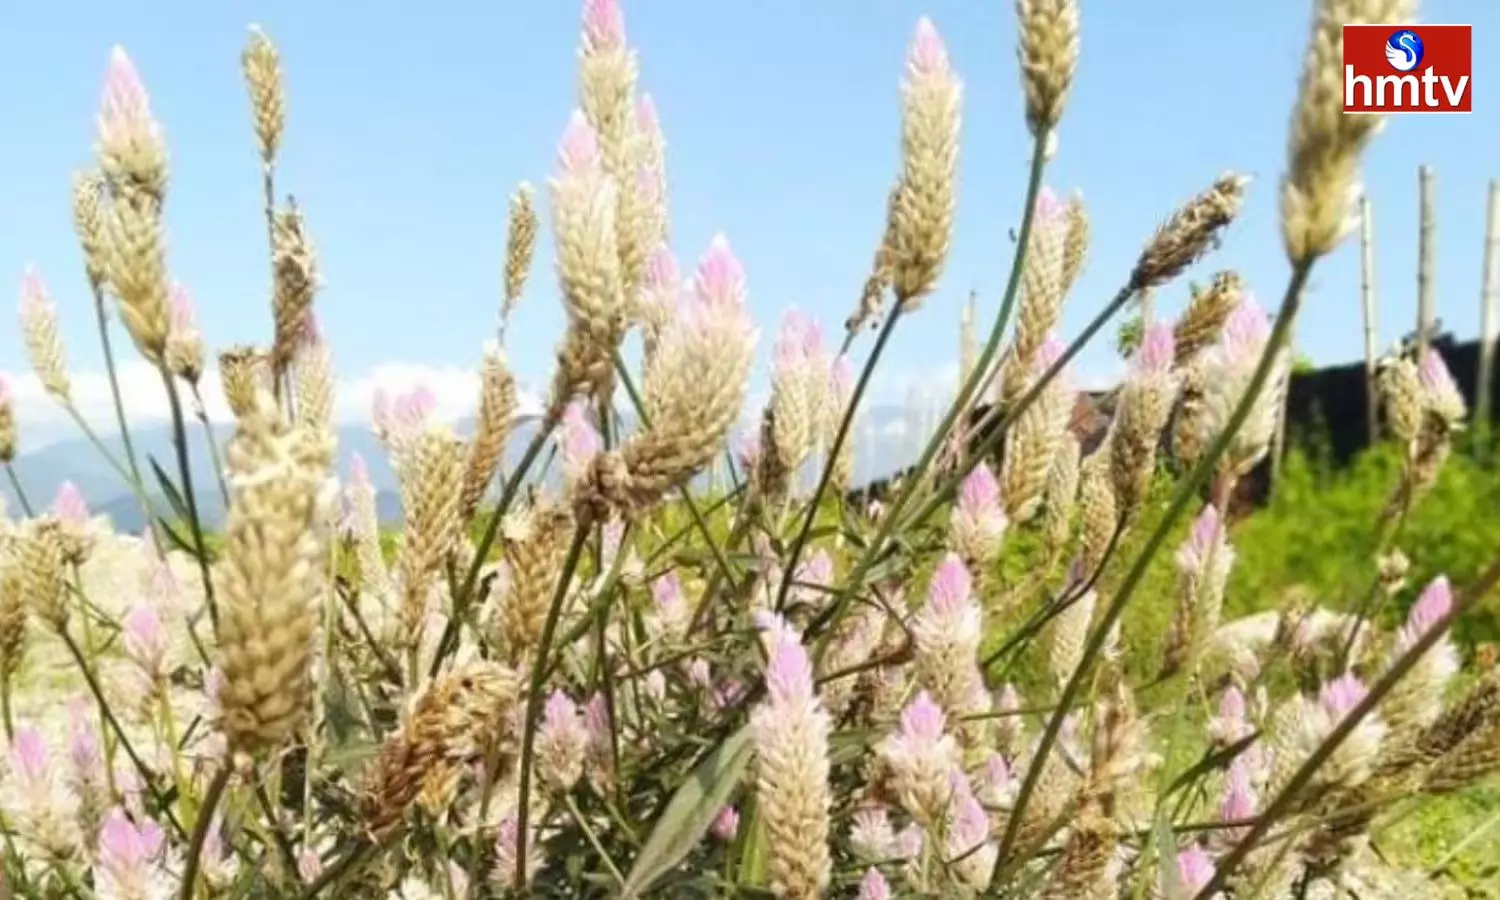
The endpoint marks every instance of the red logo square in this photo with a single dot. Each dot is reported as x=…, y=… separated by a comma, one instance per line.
x=1408, y=68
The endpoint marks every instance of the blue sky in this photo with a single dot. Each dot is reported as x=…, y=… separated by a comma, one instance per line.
x=409, y=125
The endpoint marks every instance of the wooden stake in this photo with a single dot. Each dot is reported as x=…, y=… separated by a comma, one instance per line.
x=1489, y=300
x=1425, y=236
x=1367, y=302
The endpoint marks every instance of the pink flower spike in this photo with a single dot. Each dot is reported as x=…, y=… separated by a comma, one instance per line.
x=874, y=886
x=1433, y=372
x=1202, y=540
x=1238, y=803
x=125, y=108
x=69, y=506
x=579, y=150
x=667, y=592
x=580, y=441
x=359, y=470
x=603, y=24
x=1194, y=869
x=1245, y=332
x=1232, y=705
x=789, y=674
x=1047, y=355
x=726, y=824
x=720, y=281
x=980, y=490
x=1431, y=607
x=922, y=720
x=28, y=754
x=36, y=300
x=1156, y=351
x=661, y=272
x=928, y=55
x=126, y=850
x=951, y=586
x=1341, y=695
x=145, y=639
x=83, y=742
x=184, y=311
x=647, y=120
x=1051, y=211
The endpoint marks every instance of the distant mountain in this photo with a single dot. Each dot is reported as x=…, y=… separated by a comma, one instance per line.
x=884, y=443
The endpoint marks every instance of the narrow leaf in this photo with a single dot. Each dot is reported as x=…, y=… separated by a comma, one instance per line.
x=690, y=813
x=174, y=496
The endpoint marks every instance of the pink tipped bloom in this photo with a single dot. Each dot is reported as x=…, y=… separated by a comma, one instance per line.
x=1431, y=607
x=928, y=56
x=1051, y=212
x=28, y=755
x=874, y=886
x=1194, y=869
x=145, y=639
x=412, y=408
x=726, y=824
x=83, y=740
x=978, y=521
x=380, y=410
x=126, y=854
x=184, y=310
x=579, y=150
x=798, y=339
x=1202, y=541
x=69, y=506
x=814, y=575
x=36, y=299
x=951, y=587
x=1238, y=803
x=563, y=742
x=647, y=119
x=603, y=25
x=125, y=108
x=1437, y=382
x=1047, y=355
x=720, y=280
x=1245, y=333
x=789, y=675
x=309, y=864
x=580, y=440
x=843, y=380
x=1154, y=357
x=662, y=275
x=1341, y=695
x=995, y=780
x=1232, y=705
x=920, y=757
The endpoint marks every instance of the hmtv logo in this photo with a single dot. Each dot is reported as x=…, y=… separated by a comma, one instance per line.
x=1408, y=68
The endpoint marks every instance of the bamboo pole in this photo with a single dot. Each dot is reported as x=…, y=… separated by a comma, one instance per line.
x=1367, y=303
x=1425, y=235
x=1489, y=300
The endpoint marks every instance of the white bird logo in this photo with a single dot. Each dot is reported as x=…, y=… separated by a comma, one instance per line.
x=1403, y=51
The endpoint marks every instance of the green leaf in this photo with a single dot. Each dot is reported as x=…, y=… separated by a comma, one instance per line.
x=690, y=812
x=174, y=496
x=752, y=865
x=178, y=541
x=1166, y=861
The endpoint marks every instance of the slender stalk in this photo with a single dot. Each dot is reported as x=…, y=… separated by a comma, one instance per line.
x=1489, y=310
x=534, y=706
x=533, y=715
x=593, y=839
x=92, y=681
x=20, y=492
x=687, y=497
x=10, y=722
x=465, y=596
x=1426, y=228
x=101, y=316
x=886, y=330
x=1367, y=305
x=1187, y=492
x=200, y=831
x=201, y=411
x=1288, y=796
x=960, y=402
x=189, y=496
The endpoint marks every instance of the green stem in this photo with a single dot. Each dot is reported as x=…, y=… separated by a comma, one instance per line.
x=1187, y=492
x=189, y=496
x=102, y=318
x=593, y=839
x=464, y=598
x=1290, y=794
x=886, y=329
x=702, y=524
x=10, y=722
x=960, y=403
x=213, y=444
x=200, y=831
x=92, y=681
x=534, y=706
x=15, y=485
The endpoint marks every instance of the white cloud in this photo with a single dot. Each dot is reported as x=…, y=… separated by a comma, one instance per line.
x=42, y=420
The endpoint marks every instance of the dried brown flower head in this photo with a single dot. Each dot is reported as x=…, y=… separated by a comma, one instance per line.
x=1190, y=232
